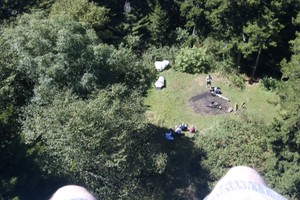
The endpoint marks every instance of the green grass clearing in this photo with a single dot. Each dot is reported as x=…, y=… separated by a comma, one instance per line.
x=169, y=107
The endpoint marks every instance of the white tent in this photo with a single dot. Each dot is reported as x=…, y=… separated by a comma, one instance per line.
x=161, y=65
x=160, y=83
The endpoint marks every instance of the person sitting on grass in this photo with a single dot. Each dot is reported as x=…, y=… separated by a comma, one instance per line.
x=192, y=129
x=178, y=130
x=168, y=135
x=183, y=127
x=215, y=90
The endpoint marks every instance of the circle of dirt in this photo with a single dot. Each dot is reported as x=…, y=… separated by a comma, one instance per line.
x=200, y=104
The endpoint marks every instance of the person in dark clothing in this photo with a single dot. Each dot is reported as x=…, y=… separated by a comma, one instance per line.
x=215, y=90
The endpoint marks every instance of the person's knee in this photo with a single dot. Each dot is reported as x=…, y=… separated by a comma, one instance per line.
x=243, y=173
x=69, y=192
x=242, y=182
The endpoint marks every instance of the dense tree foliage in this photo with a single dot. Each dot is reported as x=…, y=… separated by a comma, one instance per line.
x=12, y=8
x=82, y=11
x=67, y=53
x=73, y=75
x=286, y=135
x=103, y=142
x=230, y=143
x=158, y=24
x=41, y=56
x=247, y=27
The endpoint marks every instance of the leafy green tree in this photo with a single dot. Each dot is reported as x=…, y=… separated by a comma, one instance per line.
x=226, y=19
x=250, y=29
x=104, y=142
x=128, y=22
x=38, y=47
x=135, y=27
x=41, y=56
x=82, y=11
x=220, y=52
x=230, y=143
x=66, y=53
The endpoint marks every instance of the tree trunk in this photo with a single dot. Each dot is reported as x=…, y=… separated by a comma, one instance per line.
x=256, y=63
x=239, y=59
x=194, y=30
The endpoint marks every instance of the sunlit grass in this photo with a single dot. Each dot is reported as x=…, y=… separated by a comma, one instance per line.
x=169, y=107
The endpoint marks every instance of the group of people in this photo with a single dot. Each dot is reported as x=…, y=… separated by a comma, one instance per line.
x=171, y=133
x=178, y=131
x=213, y=90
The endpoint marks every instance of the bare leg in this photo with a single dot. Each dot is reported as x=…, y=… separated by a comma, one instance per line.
x=242, y=173
x=70, y=192
x=242, y=183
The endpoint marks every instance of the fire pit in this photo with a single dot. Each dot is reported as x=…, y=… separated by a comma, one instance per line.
x=207, y=104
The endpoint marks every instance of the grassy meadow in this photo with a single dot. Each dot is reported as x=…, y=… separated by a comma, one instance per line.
x=169, y=107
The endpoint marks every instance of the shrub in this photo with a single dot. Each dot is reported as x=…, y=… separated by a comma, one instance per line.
x=231, y=143
x=192, y=60
x=237, y=80
x=269, y=83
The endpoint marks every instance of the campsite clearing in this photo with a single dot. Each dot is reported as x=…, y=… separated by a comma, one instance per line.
x=181, y=101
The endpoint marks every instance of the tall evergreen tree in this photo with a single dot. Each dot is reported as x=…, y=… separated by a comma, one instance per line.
x=260, y=34
x=193, y=13
x=158, y=25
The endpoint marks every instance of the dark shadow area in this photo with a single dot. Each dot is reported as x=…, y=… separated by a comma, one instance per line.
x=184, y=178
x=268, y=64
x=169, y=66
x=29, y=181
x=44, y=189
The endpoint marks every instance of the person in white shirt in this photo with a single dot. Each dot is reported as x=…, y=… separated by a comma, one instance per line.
x=208, y=80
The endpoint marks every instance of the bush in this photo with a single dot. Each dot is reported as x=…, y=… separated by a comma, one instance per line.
x=192, y=60
x=269, y=83
x=237, y=80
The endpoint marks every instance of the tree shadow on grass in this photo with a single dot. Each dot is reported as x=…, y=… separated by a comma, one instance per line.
x=184, y=178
